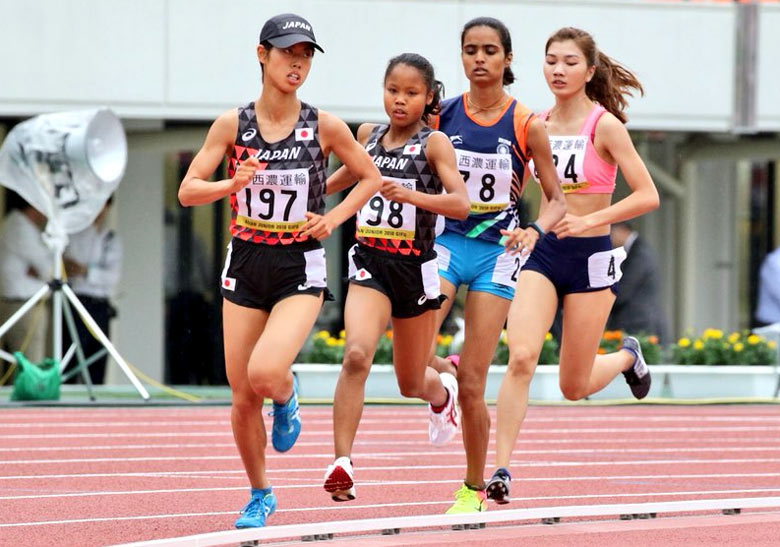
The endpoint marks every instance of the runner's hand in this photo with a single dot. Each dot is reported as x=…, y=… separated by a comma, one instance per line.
x=520, y=240
x=317, y=226
x=395, y=192
x=571, y=225
x=244, y=174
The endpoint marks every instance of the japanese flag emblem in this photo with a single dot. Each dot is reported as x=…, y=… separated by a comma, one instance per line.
x=412, y=150
x=304, y=134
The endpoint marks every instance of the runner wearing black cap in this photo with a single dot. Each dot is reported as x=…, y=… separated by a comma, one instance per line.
x=273, y=282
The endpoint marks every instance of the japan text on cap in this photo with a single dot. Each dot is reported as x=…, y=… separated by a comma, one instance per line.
x=286, y=30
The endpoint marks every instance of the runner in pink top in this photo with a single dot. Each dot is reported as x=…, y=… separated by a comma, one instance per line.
x=584, y=172
x=574, y=263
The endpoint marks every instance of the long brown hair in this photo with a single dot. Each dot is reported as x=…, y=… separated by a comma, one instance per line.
x=611, y=81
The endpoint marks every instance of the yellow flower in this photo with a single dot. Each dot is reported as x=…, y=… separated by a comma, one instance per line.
x=340, y=342
x=342, y=334
x=771, y=344
x=502, y=338
x=698, y=345
x=753, y=339
x=548, y=337
x=739, y=346
x=322, y=335
x=447, y=340
x=733, y=337
x=332, y=341
x=713, y=334
x=684, y=342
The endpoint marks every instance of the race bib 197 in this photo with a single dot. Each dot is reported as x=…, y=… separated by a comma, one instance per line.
x=274, y=200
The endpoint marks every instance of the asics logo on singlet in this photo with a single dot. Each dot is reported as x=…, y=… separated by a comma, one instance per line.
x=456, y=139
x=422, y=300
x=370, y=146
x=249, y=134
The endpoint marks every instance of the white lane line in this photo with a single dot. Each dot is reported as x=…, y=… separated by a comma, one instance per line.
x=374, y=484
x=209, y=475
x=775, y=446
x=382, y=455
x=374, y=419
x=635, y=445
x=494, y=516
x=329, y=432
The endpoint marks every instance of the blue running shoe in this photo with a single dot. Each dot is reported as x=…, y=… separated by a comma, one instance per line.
x=287, y=422
x=261, y=506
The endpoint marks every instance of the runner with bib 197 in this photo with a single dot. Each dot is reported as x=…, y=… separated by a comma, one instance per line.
x=273, y=283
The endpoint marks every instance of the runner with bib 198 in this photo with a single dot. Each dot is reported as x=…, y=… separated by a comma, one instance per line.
x=393, y=272
x=273, y=283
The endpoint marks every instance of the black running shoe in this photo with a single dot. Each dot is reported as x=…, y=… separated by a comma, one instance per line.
x=497, y=488
x=638, y=376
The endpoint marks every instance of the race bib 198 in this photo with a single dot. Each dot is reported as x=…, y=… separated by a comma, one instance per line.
x=274, y=200
x=388, y=219
x=488, y=179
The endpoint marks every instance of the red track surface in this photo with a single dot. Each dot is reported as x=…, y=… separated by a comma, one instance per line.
x=99, y=476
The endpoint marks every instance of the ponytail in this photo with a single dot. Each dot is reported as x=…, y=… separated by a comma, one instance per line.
x=610, y=84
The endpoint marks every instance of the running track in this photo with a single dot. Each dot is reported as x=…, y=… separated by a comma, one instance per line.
x=100, y=476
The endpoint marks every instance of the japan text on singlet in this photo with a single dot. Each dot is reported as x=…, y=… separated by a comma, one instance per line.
x=391, y=226
x=492, y=159
x=290, y=181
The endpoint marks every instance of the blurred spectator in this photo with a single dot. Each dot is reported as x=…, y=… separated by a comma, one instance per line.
x=188, y=316
x=93, y=261
x=768, y=304
x=637, y=308
x=25, y=266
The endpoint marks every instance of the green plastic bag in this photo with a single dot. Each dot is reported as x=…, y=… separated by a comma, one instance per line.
x=36, y=382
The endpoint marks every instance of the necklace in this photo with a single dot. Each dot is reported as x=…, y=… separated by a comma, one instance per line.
x=476, y=108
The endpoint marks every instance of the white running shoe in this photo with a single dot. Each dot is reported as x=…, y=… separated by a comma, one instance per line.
x=338, y=480
x=443, y=425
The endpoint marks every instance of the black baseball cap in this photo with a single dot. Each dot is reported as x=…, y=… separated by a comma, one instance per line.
x=287, y=29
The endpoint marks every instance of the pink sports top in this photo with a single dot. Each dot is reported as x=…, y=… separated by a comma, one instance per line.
x=580, y=169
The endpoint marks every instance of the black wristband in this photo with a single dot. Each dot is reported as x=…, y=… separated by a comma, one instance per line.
x=536, y=227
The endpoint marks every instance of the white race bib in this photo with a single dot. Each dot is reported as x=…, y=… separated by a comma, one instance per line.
x=604, y=267
x=569, y=159
x=387, y=219
x=488, y=179
x=274, y=200
x=508, y=268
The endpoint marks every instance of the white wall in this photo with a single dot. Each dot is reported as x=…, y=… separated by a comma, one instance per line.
x=195, y=58
x=768, y=99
